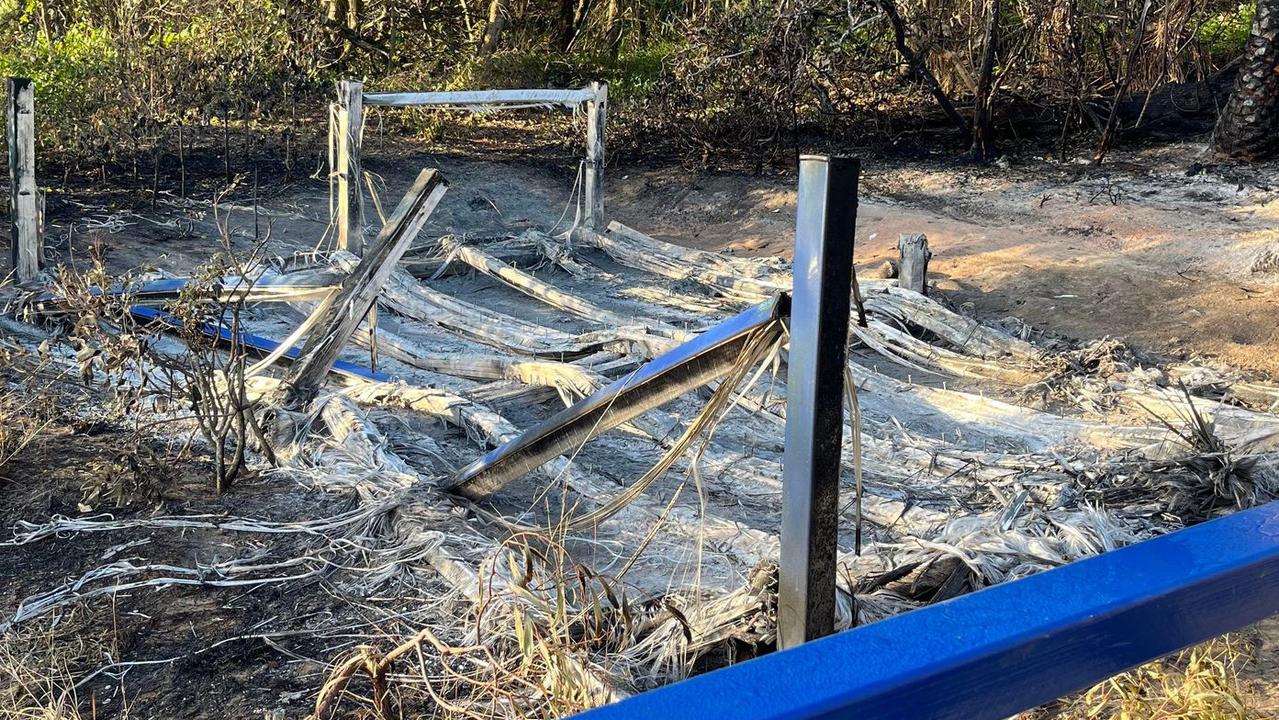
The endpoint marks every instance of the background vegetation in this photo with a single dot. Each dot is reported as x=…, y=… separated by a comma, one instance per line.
x=136, y=85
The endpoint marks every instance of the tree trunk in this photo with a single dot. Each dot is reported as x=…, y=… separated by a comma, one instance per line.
x=983, y=141
x=1247, y=126
x=498, y=10
x=917, y=64
x=566, y=31
x=614, y=31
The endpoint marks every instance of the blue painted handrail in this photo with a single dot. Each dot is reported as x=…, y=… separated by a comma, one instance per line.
x=1007, y=648
x=259, y=343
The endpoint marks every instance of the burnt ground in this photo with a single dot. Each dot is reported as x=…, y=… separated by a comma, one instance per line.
x=225, y=652
x=1156, y=247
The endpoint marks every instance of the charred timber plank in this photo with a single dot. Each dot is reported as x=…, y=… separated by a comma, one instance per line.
x=596, y=121
x=688, y=366
x=360, y=290
x=915, y=255
x=348, y=135
x=554, y=296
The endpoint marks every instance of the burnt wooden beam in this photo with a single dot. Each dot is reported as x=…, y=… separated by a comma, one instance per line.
x=360, y=289
x=596, y=121
x=348, y=134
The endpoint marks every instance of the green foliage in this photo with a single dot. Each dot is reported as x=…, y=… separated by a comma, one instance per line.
x=117, y=79
x=1225, y=33
x=62, y=68
x=113, y=79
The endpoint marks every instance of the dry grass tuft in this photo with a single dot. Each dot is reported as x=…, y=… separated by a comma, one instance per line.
x=1200, y=683
x=38, y=666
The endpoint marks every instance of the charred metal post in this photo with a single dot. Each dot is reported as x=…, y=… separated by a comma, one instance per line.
x=348, y=132
x=24, y=201
x=825, y=220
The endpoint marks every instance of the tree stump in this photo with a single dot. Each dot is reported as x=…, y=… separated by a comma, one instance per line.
x=912, y=272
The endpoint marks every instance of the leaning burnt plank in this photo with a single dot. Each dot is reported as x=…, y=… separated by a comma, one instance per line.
x=736, y=279
x=688, y=308
x=771, y=271
x=533, y=384
x=688, y=366
x=562, y=376
x=629, y=252
x=477, y=421
x=360, y=290
x=965, y=334
x=906, y=349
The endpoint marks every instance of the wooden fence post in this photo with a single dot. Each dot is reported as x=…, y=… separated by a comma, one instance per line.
x=350, y=199
x=596, y=121
x=24, y=213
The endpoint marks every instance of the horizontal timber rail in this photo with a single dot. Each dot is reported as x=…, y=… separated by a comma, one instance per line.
x=551, y=96
x=1010, y=647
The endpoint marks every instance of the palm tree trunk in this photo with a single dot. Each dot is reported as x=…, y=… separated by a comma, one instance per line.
x=1247, y=126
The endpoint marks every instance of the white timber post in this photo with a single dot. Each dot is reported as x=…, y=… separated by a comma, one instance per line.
x=350, y=199
x=596, y=120
x=24, y=201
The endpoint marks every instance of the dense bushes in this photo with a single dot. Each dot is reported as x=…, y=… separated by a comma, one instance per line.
x=122, y=79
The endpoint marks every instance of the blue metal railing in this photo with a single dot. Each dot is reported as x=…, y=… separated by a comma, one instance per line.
x=261, y=344
x=1007, y=648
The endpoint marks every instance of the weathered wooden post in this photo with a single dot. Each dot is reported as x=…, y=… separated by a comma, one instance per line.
x=825, y=221
x=596, y=121
x=24, y=198
x=913, y=268
x=350, y=199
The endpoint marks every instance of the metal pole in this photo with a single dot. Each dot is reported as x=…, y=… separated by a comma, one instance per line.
x=825, y=220
x=24, y=201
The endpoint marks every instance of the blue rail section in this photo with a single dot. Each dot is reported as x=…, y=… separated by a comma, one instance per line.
x=257, y=342
x=1007, y=648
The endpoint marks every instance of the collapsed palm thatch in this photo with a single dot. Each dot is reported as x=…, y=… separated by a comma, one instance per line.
x=580, y=583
